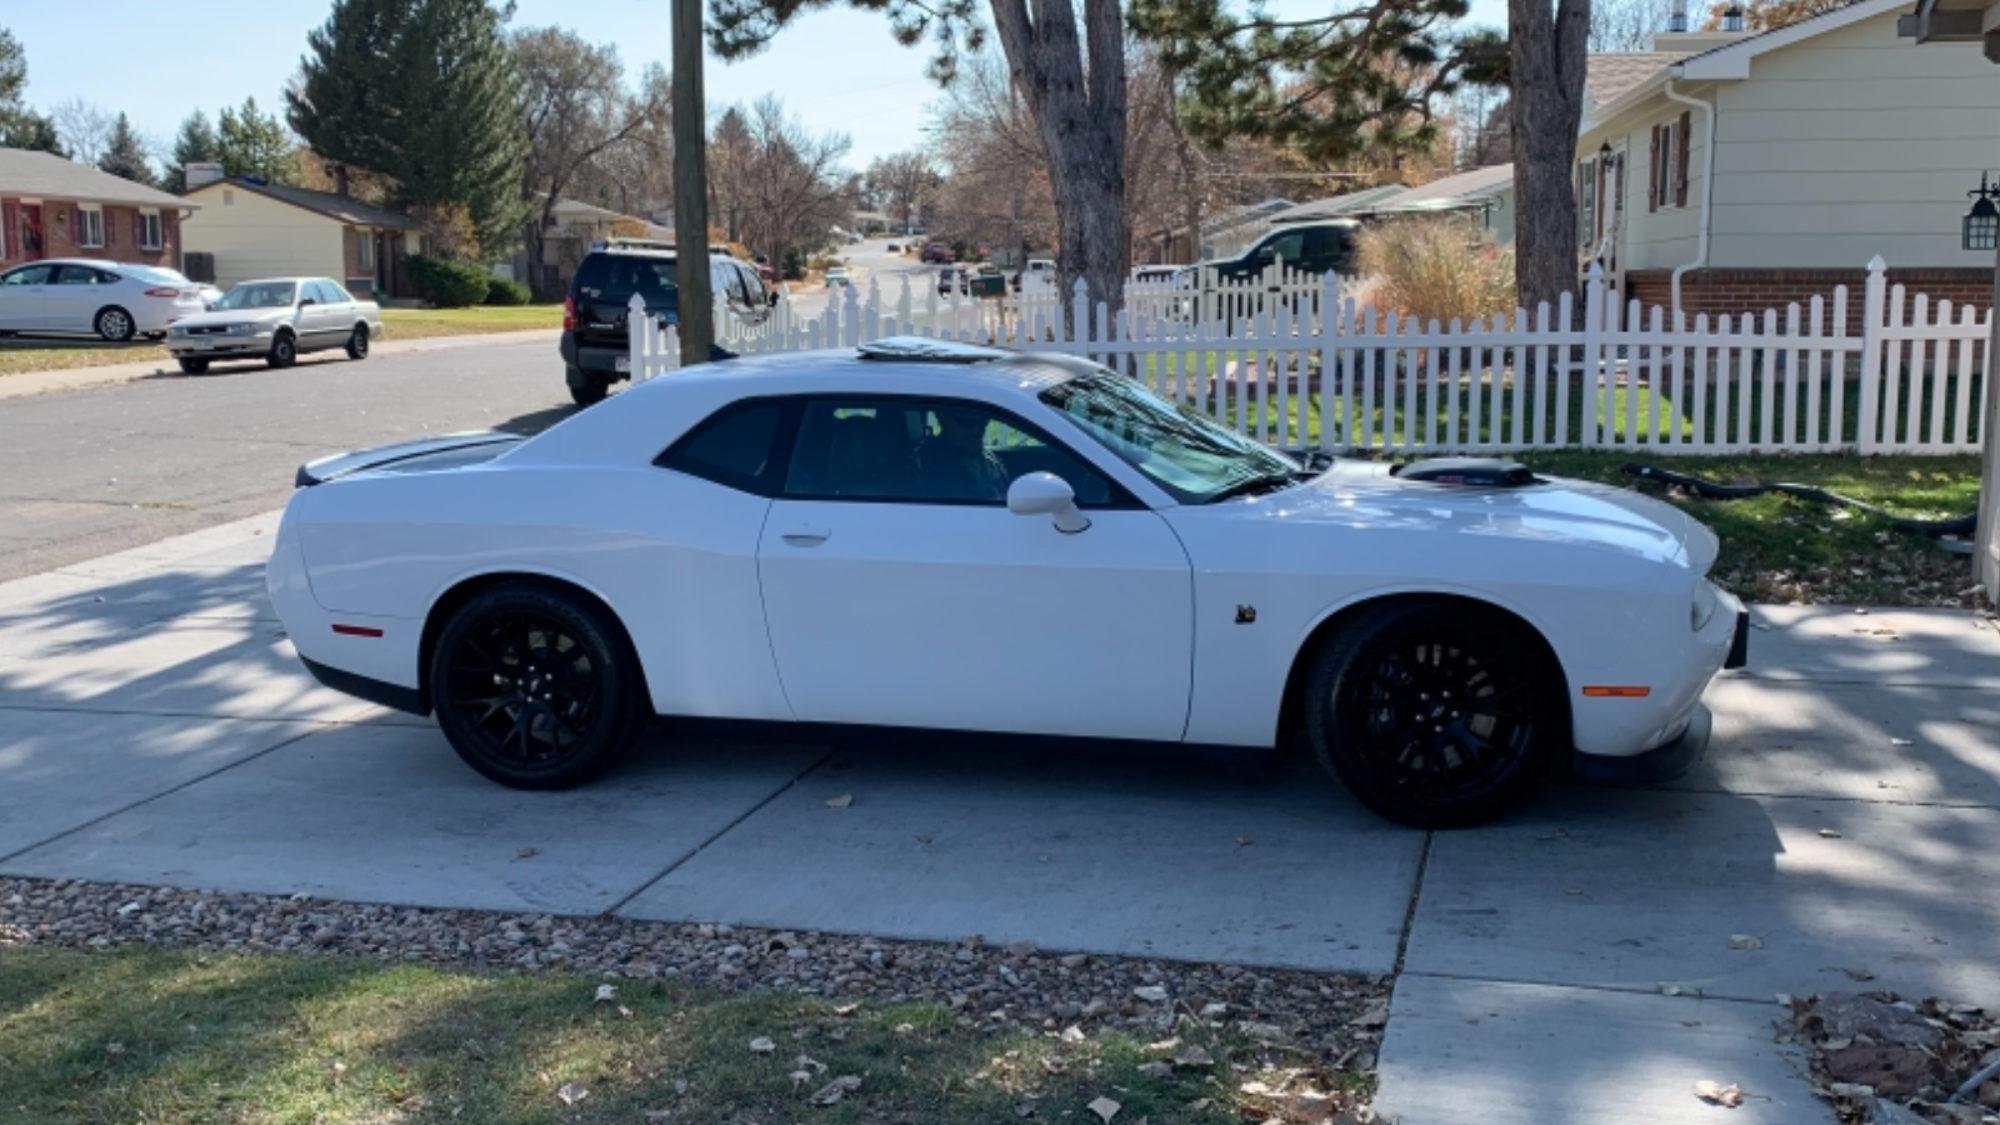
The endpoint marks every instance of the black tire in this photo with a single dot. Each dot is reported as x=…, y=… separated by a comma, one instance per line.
x=512, y=643
x=284, y=351
x=1434, y=715
x=194, y=366
x=357, y=342
x=588, y=393
x=115, y=324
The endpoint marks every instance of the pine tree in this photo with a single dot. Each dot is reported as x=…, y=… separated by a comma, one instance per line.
x=196, y=143
x=423, y=93
x=21, y=127
x=250, y=142
x=125, y=156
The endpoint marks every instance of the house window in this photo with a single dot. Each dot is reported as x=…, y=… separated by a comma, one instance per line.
x=1586, y=205
x=1667, y=177
x=1666, y=168
x=90, y=227
x=364, y=250
x=150, y=235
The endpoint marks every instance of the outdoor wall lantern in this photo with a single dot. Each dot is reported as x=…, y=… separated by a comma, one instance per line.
x=1982, y=223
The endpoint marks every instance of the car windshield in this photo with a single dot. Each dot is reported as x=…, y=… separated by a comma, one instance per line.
x=259, y=295
x=618, y=276
x=1183, y=451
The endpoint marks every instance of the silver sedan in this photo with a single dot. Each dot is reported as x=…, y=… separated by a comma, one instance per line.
x=276, y=319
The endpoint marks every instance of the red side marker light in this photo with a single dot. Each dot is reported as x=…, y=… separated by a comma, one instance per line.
x=1603, y=692
x=357, y=630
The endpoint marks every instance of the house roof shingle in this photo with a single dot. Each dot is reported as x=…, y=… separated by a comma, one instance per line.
x=1609, y=74
x=46, y=176
x=340, y=208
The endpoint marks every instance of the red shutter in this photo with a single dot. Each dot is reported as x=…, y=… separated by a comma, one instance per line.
x=1681, y=161
x=1653, y=173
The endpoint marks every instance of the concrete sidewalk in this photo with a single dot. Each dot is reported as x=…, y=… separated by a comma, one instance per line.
x=76, y=378
x=156, y=728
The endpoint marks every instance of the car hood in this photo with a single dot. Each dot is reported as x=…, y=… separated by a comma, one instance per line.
x=216, y=318
x=1365, y=494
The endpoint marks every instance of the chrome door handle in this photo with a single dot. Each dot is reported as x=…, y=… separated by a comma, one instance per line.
x=806, y=536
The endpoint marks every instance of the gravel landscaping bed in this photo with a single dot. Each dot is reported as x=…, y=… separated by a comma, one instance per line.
x=1335, y=1021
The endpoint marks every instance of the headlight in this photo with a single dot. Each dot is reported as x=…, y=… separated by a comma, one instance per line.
x=240, y=329
x=1705, y=603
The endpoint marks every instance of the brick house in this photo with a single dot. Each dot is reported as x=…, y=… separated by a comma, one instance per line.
x=251, y=229
x=1832, y=141
x=55, y=208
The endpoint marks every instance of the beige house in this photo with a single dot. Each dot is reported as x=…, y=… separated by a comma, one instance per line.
x=573, y=226
x=250, y=229
x=1736, y=171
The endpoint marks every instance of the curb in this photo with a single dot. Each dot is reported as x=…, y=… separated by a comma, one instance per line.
x=79, y=378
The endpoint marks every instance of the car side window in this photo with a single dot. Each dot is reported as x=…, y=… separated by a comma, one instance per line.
x=1290, y=247
x=928, y=452
x=736, y=447
x=337, y=292
x=28, y=275
x=76, y=275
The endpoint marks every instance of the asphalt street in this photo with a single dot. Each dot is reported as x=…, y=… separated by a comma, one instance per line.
x=89, y=472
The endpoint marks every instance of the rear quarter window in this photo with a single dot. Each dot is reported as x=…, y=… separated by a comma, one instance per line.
x=737, y=447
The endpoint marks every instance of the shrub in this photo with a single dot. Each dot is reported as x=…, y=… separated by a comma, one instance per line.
x=1435, y=268
x=500, y=291
x=448, y=284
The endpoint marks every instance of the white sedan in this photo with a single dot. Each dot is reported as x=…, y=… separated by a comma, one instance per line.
x=276, y=319
x=926, y=538
x=85, y=295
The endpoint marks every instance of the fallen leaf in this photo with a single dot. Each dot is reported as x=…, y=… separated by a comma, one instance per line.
x=625, y=1011
x=1192, y=1055
x=1214, y=1011
x=1242, y=841
x=1829, y=834
x=1859, y=974
x=923, y=839
x=1151, y=993
x=840, y=802
x=799, y=1079
x=1105, y=1109
x=837, y=1089
x=1157, y=1070
x=1744, y=941
x=1901, y=742
x=807, y=1062
x=606, y=993
x=1714, y=1093
x=762, y=1046
x=846, y=1010
x=1669, y=989
x=527, y=853
x=1024, y=1110
x=1071, y=1034
x=1373, y=1017
x=571, y=1093
x=1572, y=890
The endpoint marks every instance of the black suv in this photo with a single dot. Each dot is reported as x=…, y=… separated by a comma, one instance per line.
x=1314, y=248
x=596, y=348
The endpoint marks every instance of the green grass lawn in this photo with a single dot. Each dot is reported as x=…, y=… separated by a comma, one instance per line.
x=20, y=355
x=143, y=1035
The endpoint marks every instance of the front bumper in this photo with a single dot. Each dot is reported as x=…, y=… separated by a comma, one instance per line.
x=1676, y=670
x=1661, y=764
x=218, y=346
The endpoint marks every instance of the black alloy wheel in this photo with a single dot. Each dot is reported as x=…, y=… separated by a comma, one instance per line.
x=535, y=689
x=284, y=351
x=588, y=393
x=357, y=344
x=1434, y=715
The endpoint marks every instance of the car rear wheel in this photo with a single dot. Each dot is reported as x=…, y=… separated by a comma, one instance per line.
x=1434, y=715
x=115, y=325
x=284, y=351
x=589, y=392
x=194, y=366
x=357, y=344
x=535, y=688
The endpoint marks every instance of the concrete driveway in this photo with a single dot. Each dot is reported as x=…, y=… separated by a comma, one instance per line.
x=155, y=728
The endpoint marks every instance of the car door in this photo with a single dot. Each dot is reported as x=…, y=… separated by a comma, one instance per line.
x=336, y=312
x=24, y=297
x=315, y=317
x=900, y=591
x=74, y=295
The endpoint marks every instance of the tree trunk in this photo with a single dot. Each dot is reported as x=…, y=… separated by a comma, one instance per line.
x=1080, y=115
x=1546, y=46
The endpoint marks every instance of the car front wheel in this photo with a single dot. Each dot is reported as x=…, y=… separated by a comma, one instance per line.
x=194, y=366
x=284, y=351
x=536, y=688
x=1434, y=715
x=357, y=344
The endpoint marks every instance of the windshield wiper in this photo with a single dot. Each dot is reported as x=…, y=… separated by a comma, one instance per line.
x=1264, y=482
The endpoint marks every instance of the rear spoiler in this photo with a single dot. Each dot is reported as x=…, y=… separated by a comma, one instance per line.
x=358, y=460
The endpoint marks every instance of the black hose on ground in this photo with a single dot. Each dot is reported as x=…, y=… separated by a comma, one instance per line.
x=1708, y=489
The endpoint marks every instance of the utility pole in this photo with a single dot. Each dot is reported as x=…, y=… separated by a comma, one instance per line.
x=697, y=303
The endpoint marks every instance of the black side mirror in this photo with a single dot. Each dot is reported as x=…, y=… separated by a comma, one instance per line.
x=307, y=301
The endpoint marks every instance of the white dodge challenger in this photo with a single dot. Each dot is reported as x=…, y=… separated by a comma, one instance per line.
x=921, y=538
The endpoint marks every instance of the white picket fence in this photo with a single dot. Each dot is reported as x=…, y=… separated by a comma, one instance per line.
x=1318, y=370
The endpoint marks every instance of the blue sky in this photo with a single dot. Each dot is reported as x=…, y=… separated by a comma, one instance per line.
x=838, y=70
